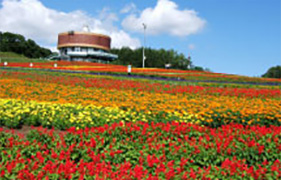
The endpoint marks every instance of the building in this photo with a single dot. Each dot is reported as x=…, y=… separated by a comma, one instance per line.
x=85, y=46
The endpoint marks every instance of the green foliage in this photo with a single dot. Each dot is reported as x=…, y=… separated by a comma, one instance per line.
x=16, y=43
x=154, y=58
x=273, y=72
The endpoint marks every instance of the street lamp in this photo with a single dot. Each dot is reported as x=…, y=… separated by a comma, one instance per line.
x=143, y=47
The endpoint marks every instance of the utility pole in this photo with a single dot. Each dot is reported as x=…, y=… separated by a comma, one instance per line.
x=143, y=47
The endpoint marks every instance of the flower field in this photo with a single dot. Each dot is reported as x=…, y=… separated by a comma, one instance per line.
x=126, y=128
x=157, y=72
x=144, y=151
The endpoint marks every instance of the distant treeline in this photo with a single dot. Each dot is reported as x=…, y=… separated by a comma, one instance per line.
x=273, y=72
x=154, y=58
x=17, y=43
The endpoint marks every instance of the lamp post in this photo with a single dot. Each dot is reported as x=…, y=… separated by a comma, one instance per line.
x=143, y=47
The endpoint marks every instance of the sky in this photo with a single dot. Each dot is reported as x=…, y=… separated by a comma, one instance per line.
x=227, y=36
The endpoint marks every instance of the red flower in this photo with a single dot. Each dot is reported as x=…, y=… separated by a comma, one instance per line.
x=192, y=174
x=261, y=149
x=139, y=172
x=228, y=151
x=2, y=173
x=40, y=157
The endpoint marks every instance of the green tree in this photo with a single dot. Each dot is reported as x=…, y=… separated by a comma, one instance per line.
x=273, y=72
x=154, y=58
x=16, y=43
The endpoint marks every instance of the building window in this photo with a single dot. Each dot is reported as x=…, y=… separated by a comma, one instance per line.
x=77, y=49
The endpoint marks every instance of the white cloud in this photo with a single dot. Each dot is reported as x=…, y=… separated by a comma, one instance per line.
x=129, y=8
x=165, y=18
x=191, y=46
x=33, y=20
x=121, y=39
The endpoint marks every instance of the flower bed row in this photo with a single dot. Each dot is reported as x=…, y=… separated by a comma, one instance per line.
x=211, y=110
x=263, y=92
x=144, y=151
x=137, y=100
x=185, y=74
x=15, y=113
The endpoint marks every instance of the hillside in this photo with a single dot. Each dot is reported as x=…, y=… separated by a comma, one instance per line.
x=97, y=121
x=14, y=57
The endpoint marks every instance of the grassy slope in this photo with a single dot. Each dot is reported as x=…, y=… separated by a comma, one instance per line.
x=13, y=57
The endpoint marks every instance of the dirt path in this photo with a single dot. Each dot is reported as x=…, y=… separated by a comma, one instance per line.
x=24, y=130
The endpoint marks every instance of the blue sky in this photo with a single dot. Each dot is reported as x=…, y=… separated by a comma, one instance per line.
x=226, y=36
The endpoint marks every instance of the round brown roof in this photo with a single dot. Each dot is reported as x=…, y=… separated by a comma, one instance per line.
x=84, y=39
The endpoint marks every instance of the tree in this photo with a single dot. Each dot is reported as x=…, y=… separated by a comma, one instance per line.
x=154, y=58
x=16, y=43
x=273, y=72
